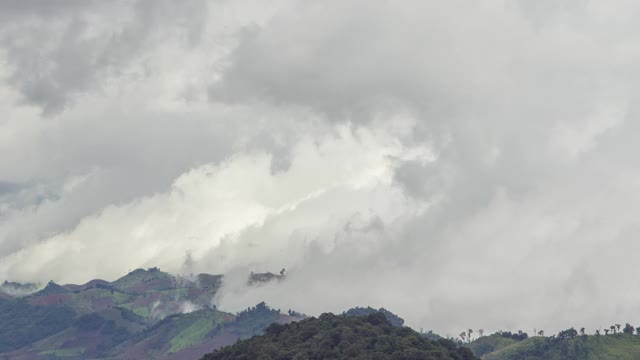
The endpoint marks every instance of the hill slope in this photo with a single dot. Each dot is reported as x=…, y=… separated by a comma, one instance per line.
x=151, y=294
x=489, y=344
x=592, y=347
x=341, y=337
x=144, y=314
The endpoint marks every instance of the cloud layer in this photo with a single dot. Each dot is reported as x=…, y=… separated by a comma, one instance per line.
x=463, y=164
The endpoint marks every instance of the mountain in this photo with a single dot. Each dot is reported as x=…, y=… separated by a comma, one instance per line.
x=152, y=314
x=151, y=294
x=340, y=337
x=586, y=347
x=144, y=314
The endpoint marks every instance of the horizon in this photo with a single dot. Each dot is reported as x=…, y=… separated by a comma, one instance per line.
x=532, y=332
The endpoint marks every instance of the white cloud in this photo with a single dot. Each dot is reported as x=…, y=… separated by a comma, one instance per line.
x=208, y=206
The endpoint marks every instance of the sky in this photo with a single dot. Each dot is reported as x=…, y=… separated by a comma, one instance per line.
x=465, y=164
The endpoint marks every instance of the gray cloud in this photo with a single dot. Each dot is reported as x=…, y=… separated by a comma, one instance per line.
x=57, y=57
x=12, y=8
x=464, y=164
x=521, y=104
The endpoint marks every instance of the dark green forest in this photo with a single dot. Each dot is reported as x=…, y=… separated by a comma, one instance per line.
x=341, y=337
x=394, y=319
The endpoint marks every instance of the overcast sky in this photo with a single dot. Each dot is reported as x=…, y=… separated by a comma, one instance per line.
x=461, y=163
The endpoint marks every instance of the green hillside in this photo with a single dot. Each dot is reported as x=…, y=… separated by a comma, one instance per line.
x=22, y=323
x=89, y=336
x=39, y=332
x=587, y=347
x=341, y=337
x=492, y=343
x=151, y=294
x=174, y=334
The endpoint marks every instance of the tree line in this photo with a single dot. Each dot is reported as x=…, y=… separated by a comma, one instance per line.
x=570, y=333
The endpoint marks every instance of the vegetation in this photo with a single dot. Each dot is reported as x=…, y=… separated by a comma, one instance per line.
x=489, y=344
x=618, y=347
x=104, y=319
x=568, y=344
x=257, y=279
x=140, y=315
x=52, y=289
x=22, y=323
x=205, y=325
x=341, y=337
x=394, y=319
x=252, y=321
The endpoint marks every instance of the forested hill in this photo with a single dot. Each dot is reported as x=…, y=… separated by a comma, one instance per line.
x=341, y=337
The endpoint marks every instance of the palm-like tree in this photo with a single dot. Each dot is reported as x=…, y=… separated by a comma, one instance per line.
x=469, y=332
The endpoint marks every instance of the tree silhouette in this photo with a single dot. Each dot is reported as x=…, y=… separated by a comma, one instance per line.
x=613, y=328
x=541, y=332
x=582, y=331
x=618, y=327
x=597, y=332
x=606, y=331
x=463, y=336
x=481, y=332
x=469, y=332
x=628, y=329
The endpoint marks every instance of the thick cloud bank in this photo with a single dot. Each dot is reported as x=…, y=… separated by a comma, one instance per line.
x=464, y=164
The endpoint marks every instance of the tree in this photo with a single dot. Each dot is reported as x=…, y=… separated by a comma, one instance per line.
x=628, y=329
x=638, y=330
x=463, y=336
x=606, y=331
x=618, y=327
x=597, y=332
x=541, y=332
x=567, y=334
x=613, y=329
x=469, y=332
x=481, y=332
x=582, y=331
x=340, y=337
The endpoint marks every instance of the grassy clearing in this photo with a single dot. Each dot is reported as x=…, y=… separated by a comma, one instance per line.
x=197, y=331
x=611, y=347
